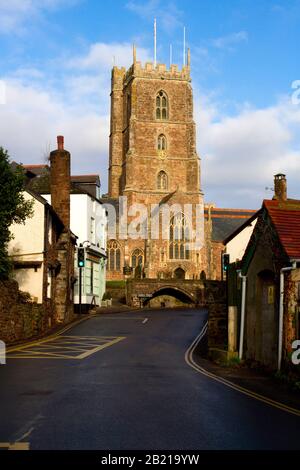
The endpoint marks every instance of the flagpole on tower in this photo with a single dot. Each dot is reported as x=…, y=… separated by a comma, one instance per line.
x=184, y=46
x=154, y=42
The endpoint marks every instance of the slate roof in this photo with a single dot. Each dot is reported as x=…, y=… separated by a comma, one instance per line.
x=245, y=224
x=89, y=179
x=285, y=217
x=227, y=221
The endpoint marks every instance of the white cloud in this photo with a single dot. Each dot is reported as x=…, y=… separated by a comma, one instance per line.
x=74, y=104
x=14, y=13
x=240, y=154
x=168, y=15
x=228, y=42
x=102, y=56
x=31, y=120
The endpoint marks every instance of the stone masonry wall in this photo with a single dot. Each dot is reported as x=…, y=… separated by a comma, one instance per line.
x=21, y=319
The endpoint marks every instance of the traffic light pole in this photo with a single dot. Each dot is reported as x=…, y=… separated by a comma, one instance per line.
x=80, y=288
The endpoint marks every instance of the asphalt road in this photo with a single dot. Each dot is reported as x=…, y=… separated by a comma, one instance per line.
x=136, y=393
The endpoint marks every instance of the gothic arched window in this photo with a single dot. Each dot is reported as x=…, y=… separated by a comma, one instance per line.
x=137, y=258
x=161, y=142
x=114, y=256
x=137, y=262
x=162, y=180
x=179, y=238
x=162, y=108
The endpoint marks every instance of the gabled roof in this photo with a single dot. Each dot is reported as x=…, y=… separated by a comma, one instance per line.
x=285, y=217
x=242, y=227
x=80, y=184
x=43, y=201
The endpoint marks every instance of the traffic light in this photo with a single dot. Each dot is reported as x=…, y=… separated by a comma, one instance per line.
x=225, y=261
x=80, y=257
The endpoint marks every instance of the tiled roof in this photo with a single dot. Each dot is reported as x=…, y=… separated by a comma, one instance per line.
x=226, y=221
x=285, y=217
x=37, y=169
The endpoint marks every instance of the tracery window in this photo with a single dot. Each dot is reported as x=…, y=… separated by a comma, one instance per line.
x=114, y=256
x=162, y=107
x=161, y=142
x=179, y=238
x=137, y=258
x=162, y=180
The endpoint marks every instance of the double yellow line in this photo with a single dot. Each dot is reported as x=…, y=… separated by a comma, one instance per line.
x=189, y=359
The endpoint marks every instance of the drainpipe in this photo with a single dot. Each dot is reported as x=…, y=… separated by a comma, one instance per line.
x=243, y=308
x=281, y=305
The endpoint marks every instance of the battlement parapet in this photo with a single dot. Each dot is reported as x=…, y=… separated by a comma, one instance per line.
x=158, y=71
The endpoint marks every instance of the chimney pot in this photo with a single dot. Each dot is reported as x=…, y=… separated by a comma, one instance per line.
x=60, y=142
x=280, y=187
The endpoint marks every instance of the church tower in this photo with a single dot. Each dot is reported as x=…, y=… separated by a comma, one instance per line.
x=153, y=160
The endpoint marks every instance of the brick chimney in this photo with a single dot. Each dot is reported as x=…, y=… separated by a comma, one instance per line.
x=280, y=187
x=60, y=181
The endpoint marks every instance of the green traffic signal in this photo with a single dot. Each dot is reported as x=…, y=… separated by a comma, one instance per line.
x=225, y=261
x=80, y=257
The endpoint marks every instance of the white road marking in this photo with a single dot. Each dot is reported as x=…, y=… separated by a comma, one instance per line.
x=145, y=320
x=27, y=434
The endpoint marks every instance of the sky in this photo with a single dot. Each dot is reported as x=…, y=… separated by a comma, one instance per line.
x=55, y=64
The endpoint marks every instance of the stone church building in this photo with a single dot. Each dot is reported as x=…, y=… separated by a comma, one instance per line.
x=153, y=163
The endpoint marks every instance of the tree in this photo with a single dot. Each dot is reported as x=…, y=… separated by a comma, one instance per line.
x=13, y=206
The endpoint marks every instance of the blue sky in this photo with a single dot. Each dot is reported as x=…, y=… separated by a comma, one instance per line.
x=56, y=57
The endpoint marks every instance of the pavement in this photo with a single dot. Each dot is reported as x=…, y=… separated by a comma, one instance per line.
x=128, y=381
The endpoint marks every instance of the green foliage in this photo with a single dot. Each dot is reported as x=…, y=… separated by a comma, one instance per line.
x=297, y=385
x=115, y=284
x=234, y=361
x=13, y=206
x=289, y=378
